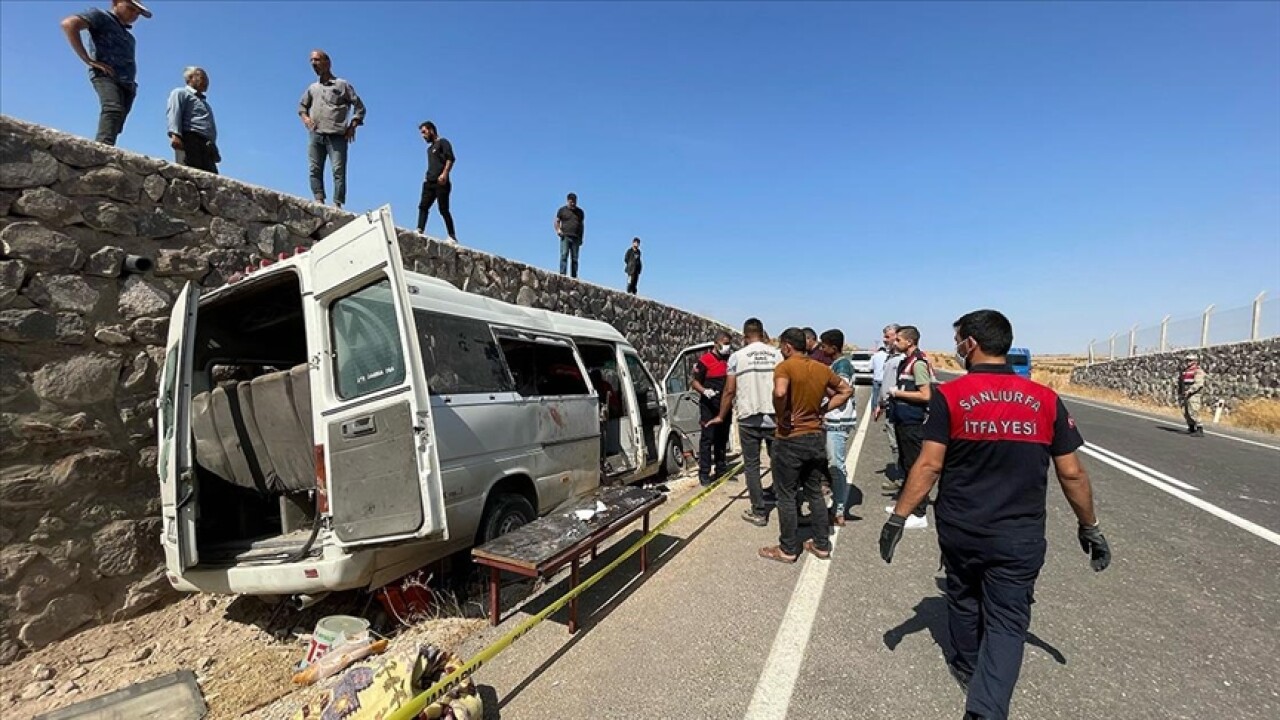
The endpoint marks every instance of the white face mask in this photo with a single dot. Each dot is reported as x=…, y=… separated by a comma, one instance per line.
x=723, y=349
x=963, y=357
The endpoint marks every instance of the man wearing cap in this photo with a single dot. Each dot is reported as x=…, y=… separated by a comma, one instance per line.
x=1190, y=390
x=193, y=135
x=110, y=57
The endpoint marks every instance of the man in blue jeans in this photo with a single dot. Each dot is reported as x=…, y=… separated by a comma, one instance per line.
x=838, y=424
x=331, y=111
x=570, y=226
x=112, y=67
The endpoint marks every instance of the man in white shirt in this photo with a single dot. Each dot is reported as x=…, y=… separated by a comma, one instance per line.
x=878, y=360
x=890, y=370
x=748, y=392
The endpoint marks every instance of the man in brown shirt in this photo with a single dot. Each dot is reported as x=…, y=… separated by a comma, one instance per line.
x=800, y=384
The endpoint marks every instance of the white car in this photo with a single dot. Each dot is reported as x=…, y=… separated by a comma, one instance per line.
x=861, y=366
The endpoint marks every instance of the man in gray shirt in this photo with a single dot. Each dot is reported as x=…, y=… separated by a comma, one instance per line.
x=324, y=110
x=193, y=135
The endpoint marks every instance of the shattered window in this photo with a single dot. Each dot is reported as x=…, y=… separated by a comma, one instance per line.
x=460, y=355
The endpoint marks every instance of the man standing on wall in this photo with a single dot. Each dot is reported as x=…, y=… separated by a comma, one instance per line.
x=800, y=384
x=113, y=70
x=436, y=187
x=748, y=393
x=193, y=135
x=1190, y=390
x=633, y=265
x=324, y=108
x=570, y=226
x=709, y=375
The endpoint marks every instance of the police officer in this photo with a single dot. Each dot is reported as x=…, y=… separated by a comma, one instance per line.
x=990, y=436
x=908, y=401
x=709, y=375
x=1190, y=390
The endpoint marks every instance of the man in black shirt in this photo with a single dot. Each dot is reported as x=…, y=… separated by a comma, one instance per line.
x=634, y=264
x=569, y=226
x=436, y=186
x=990, y=436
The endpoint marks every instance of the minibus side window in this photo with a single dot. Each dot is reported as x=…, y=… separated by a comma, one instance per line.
x=459, y=355
x=366, y=342
x=543, y=368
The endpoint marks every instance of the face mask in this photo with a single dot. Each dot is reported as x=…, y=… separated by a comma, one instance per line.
x=962, y=356
x=723, y=349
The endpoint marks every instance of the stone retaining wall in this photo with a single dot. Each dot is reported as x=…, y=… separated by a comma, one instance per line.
x=81, y=345
x=1235, y=373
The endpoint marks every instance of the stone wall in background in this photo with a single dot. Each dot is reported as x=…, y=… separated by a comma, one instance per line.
x=1236, y=372
x=81, y=343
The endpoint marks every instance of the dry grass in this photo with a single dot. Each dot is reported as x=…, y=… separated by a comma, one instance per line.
x=1259, y=414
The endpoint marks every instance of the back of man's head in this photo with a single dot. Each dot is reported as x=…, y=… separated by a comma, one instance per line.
x=795, y=338
x=834, y=338
x=910, y=334
x=753, y=329
x=989, y=328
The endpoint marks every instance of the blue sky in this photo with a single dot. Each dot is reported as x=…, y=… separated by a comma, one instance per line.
x=1082, y=167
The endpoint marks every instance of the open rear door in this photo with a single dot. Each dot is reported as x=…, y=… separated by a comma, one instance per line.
x=178, y=488
x=381, y=463
x=682, y=402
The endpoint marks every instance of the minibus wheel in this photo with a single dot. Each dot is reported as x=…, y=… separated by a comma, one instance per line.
x=506, y=512
x=673, y=462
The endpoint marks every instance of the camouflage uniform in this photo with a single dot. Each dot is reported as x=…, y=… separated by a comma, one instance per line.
x=1190, y=390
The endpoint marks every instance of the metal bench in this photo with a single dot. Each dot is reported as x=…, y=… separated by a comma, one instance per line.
x=542, y=547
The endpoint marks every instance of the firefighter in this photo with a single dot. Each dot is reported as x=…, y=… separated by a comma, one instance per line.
x=1190, y=390
x=709, y=376
x=990, y=436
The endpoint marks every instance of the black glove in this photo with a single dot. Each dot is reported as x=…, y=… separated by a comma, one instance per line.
x=890, y=534
x=1092, y=542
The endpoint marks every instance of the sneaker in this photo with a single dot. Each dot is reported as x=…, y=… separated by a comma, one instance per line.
x=754, y=519
x=916, y=522
x=889, y=508
x=889, y=486
x=812, y=548
x=836, y=518
x=452, y=240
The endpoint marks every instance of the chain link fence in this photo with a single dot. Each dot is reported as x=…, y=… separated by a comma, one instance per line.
x=1257, y=321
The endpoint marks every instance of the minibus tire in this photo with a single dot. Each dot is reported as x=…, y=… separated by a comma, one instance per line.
x=506, y=512
x=673, y=461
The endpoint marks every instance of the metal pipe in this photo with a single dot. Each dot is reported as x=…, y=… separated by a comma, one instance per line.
x=302, y=602
x=137, y=264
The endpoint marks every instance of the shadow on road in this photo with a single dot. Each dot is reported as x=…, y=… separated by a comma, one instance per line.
x=931, y=615
x=1174, y=430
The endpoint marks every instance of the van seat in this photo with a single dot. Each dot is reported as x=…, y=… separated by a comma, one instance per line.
x=288, y=440
x=229, y=426
x=268, y=471
x=208, y=446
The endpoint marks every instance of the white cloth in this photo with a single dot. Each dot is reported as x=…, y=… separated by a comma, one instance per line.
x=878, y=360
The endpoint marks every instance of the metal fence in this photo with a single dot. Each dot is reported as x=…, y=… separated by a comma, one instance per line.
x=1257, y=321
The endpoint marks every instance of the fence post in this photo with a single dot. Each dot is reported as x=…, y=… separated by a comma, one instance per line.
x=1204, y=327
x=1111, y=353
x=1091, y=342
x=1257, y=316
x=1133, y=341
x=1164, y=334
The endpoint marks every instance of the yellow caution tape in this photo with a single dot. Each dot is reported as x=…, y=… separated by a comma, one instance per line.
x=410, y=710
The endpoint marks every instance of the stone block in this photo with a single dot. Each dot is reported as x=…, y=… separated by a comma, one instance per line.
x=13, y=274
x=273, y=240
x=112, y=335
x=125, y=547
x=150, y=330
x=48, y=205
x=111, y=218
x=142, y=299
x=140, y=378
x=108, y=182
x=78, y=381
x=81, y=153
x=159, y=224
x=39, y=245
x=61, y=616
x=234, y=203
x=182, y=197
x=63, y=292
x=23, y=165
x=72, y=329
x=154, y=186
x=105, y=262
x=186, y=263
x=25, y=326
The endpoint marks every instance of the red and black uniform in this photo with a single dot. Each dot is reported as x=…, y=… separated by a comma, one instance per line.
x=1001, y=431
x=711, y=371
x=908, y=419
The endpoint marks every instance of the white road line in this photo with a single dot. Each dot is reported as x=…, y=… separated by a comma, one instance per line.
x=1139, y=466
x=772, y=696
x=1256, y=529
x=1165, y=421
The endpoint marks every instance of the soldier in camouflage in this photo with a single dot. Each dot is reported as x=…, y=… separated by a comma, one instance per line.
x=1190, y=392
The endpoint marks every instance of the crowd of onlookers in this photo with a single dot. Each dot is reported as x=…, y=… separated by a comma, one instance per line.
x=330, y=110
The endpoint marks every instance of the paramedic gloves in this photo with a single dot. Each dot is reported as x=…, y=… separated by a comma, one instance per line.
x=1092, y=542
x=890, y=534
x=708, y=393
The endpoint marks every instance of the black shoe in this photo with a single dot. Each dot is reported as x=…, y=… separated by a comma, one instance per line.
x=754, y=519
x=1199, y=432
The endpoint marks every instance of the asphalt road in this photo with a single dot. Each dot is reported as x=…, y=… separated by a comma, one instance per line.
x=1183, y=624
